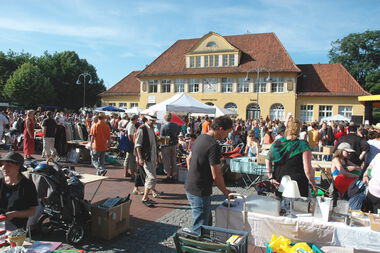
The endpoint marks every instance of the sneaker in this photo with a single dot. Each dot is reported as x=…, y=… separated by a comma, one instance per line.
x=148, y=203
x=101, y=172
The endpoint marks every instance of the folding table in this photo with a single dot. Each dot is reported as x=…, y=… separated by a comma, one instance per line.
x=247, y=167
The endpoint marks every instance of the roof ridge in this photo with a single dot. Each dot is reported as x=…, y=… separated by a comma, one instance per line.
x=286, y=51
x=355, y=81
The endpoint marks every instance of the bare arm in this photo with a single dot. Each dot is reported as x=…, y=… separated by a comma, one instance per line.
x=365, y=176
x=343, y=171
x=309, y=171
x=216, y=175
x=21, y=214
x=268, y=165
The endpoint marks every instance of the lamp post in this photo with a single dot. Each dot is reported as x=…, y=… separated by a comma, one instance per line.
x=84, y=75
x=258, y=70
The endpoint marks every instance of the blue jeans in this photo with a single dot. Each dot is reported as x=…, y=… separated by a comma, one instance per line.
x=200, y=210
x=98, y=160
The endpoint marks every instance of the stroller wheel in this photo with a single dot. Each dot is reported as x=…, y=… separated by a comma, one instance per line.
x=75, y=234
x=44, y=225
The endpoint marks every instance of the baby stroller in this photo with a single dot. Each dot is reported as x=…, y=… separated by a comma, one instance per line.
x=63, y=200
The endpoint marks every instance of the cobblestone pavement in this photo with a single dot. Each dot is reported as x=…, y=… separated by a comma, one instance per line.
x=153, y=237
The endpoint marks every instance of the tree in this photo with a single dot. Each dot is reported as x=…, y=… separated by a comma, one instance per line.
x=27, y=86
x=9, y=63
x=360, y=55
x=63, y=70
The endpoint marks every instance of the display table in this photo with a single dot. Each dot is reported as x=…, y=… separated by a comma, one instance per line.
x=247, y=167
x=309, y=229
x=78, y=151
x=322, y=164
x=89, y=178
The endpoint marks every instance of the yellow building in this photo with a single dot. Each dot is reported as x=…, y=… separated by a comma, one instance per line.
x=251, y=73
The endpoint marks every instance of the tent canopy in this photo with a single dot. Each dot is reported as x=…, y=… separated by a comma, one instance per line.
x=133, y=110
x=219, y=111
x=108, y=108
x=337, y=117
x=181, y=103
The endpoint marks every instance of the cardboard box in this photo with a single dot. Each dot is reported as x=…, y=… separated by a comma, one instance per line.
x=327, y=150
x=108, y=224
x=261, y=159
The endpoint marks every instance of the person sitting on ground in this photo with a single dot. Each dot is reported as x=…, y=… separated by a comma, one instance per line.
x=18, y=195
x=343, y=170
x=252, y=147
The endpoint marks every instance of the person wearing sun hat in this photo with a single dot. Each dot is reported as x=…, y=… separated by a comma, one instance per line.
x=18, y=195
x=342, y=169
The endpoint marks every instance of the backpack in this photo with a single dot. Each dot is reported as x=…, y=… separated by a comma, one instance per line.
x=125, y=144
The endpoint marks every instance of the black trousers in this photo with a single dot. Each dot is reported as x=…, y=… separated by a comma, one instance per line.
x=372, y=203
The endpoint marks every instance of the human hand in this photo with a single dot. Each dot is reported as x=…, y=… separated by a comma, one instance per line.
x=141, y=162
x=10, y=215
x=365, y=180
x=274, y=182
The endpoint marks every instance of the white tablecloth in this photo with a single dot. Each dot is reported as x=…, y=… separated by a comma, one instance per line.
x=309, y=229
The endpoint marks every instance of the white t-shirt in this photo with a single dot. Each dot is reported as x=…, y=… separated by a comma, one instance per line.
x=374, y=149
x=3, y=121
x=374, y=183
x=131, y=129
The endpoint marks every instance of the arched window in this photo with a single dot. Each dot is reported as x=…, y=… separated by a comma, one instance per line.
x=209, y=103
x=253, y=111
x=277, y=111
x=231, y=106
x=211, y=44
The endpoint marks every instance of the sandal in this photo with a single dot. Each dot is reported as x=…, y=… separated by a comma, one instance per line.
x=148, y=203
x=137, y=192
x=157, y=194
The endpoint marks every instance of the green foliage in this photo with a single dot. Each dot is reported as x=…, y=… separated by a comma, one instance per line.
x=360, y=55
x=28, y=87
x=57, y=73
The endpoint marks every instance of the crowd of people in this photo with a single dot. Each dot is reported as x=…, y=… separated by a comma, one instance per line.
x=146, y=143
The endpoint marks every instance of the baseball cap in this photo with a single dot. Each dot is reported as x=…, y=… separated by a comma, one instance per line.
x=13, y=157
x=346, y=147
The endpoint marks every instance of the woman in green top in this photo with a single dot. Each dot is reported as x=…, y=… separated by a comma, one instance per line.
x=292, y=157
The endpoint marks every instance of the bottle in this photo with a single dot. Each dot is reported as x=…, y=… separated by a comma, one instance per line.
x=3, y=235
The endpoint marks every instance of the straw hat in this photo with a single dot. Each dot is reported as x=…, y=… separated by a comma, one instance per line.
x=346, y=147
x=377, y=126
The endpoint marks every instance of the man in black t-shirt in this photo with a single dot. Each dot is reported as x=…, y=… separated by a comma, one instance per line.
x=49, y=128
x=204, y=170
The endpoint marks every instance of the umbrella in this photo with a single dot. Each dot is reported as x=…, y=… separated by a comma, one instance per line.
x=337, y=117
x=109, y=108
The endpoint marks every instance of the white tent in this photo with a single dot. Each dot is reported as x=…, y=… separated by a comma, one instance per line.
x=337, y=117
x=181, y=103
x=133, y=110
x=219, y=111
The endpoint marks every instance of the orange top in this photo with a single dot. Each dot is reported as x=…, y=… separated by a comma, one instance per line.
x=101, y=134
x=205, y=126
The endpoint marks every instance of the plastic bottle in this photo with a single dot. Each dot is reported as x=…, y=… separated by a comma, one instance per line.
x=3, y=236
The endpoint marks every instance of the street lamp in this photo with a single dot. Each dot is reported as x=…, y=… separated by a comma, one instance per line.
x=84, y=75
x=258, y=70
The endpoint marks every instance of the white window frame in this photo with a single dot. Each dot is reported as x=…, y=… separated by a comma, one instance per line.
x=255, y=109
x=153, y=86
x=205, y=59
x=216, y=60
x=231, y=59
x=134, y=105
x=194, y=85
x=225, y=60
x=306, y=113
x=277, y=85
x=212, y=61
x=179, y=85
x=260, y=86
x=165, y=85
x=345, y=110
x=112, y=104
x=198, y=61
x=192, y=62
x=226, y=85
x=231, y=106
x=277, y=111
x=123, y=105
x=213, y=81
x=325, y=111
x=243, y=85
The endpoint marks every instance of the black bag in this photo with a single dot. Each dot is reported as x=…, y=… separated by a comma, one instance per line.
x=355, y=187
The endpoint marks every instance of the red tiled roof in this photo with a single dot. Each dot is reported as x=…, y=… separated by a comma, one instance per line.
x=262, y=50
x=331, y=79
x=128, y=86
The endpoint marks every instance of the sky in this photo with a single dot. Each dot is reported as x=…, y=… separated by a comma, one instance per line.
x=120, y=36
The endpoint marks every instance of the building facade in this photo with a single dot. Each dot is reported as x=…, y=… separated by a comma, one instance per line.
x=252, y=74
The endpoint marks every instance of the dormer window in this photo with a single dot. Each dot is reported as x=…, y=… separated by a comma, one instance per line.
x=211, y=44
